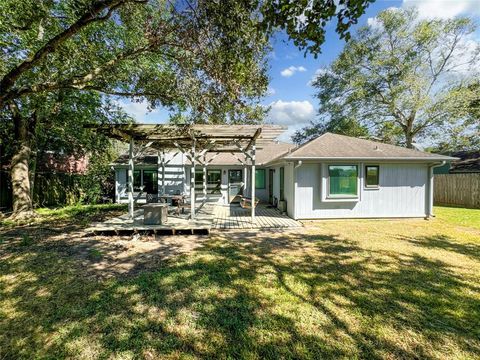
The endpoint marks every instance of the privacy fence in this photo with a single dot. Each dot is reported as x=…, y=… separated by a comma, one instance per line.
x=51, y=189
x=457, y=189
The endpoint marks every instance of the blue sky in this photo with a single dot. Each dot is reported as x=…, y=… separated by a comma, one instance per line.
x=290, y=96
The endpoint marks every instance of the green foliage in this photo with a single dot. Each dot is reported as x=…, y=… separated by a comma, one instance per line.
x=305, y=21
x=343, y=126
x=204, y=60
x=404, y=79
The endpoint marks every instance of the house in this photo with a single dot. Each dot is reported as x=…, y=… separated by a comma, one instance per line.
x=226, y=176
x=332, y=176
x=468, y=162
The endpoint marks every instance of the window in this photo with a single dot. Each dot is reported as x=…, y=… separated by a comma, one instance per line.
x=214, y=180
x=343, y=180
x=145, y=181
x=198, y=179
x=260, y=179
x=150, y=183
x=137, y=180
x=372, y=176
x=214, y=177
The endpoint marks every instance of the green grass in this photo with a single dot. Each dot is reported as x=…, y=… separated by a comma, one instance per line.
x=82, y=214
x=340, y=289
x=459, y=216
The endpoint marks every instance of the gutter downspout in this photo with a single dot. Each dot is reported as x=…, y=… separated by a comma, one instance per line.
x=430, y=188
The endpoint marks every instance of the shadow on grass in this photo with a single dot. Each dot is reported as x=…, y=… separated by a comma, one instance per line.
x=447, y=243
x=238, y=296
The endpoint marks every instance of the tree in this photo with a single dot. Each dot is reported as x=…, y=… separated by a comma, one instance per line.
x=402, y=78
x=205, y=57
x=59, y=128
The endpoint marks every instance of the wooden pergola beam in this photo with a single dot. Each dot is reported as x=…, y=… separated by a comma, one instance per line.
x=254, y=139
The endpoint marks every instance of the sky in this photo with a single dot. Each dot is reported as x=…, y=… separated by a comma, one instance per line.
x=290, y=96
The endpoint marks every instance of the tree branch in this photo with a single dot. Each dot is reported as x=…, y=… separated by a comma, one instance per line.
x=89, y=16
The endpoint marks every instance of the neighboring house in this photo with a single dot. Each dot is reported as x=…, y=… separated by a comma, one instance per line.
x=53, y=161
x=468, y=162
x=332, y=176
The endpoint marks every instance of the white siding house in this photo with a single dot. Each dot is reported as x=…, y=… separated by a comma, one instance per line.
x=401, y=192
x=332, y=176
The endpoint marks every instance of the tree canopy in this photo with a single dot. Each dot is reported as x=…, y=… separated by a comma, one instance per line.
x=402, y=79
x=204, y=58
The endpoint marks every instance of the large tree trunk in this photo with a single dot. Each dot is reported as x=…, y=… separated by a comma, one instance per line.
x=22, y=201
x=409, y=140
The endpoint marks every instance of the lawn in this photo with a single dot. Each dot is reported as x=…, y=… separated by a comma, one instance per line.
x=336, y=289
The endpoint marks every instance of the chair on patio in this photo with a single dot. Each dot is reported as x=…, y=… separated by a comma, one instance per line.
x=246, y=203
x=152, y=198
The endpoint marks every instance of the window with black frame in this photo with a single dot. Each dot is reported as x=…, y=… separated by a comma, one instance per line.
x=214, y=181
x=144, y=181
x=150, y=183
x=137, y=180
x=372, y=176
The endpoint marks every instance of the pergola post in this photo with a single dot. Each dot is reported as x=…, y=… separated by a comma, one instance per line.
x=163, y=172
x=159, y=170
x=192, y=183
x=245, y=177
x=204, y=177
x=253, y=183
x=130, y=179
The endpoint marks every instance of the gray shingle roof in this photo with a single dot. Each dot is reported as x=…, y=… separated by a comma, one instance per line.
x=265, y=154
x=334, y=146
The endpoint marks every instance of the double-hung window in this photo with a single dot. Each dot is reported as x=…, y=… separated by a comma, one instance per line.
x=343, y=181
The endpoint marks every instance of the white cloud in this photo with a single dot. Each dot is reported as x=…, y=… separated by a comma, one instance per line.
x=444, y=9
x=292, y=70
x=140, y=111
x=319, y=71
x=271, y=91
x=290, y=112
x=374, y=23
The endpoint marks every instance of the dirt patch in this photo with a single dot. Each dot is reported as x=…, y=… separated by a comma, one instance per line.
x=99, y=256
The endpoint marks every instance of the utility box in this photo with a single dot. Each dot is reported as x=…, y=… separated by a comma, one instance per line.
x=155, y=214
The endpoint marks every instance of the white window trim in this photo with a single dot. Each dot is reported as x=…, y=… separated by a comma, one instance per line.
x=325, y=183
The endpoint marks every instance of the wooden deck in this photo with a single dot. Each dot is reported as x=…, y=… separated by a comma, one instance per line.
x=234, y=217
x=209, y=215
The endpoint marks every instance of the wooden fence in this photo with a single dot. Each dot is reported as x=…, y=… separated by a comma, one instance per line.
x=457, y=189
x=51, y=189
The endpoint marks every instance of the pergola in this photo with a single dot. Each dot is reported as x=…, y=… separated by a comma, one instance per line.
x=195, y=141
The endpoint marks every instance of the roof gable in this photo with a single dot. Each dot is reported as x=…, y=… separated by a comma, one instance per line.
x=335, y=146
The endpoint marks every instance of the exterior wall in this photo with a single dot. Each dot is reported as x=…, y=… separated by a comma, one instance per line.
x=174, y=178
x=174, y=174
x=402, y=193
x=290, y=189
x=289, y=192
x=276, y=183
x=262, y=194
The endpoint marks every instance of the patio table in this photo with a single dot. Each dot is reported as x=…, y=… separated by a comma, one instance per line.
x=155, y=214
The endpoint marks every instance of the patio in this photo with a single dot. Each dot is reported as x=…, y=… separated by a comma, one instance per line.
x=210, y=214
